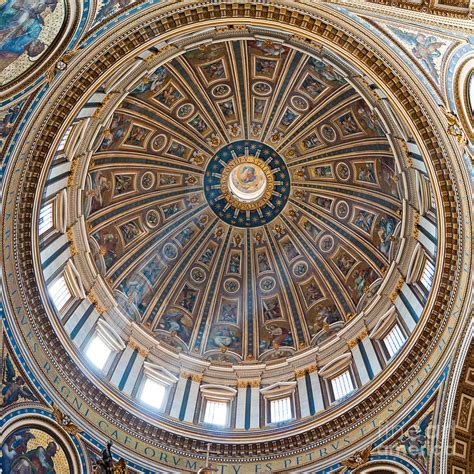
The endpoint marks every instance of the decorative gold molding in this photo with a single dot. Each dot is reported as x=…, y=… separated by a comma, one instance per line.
x=65, y=421
x=362, y=335
x=246, y=383
x=375, y=396
x=416, y=221
x=104, y=103
x=72, y=172
x=229, y=195
x=194, y=377
x=358, y=459
x=70, y=237
x=60, y=65
x=158, y=53
x=92, y=297
x=431, y=8
x=394, y=295
x=302, y=372
x=142, y=351
x=454, y=127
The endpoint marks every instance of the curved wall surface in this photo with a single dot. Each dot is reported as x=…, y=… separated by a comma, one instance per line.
x=242, y=228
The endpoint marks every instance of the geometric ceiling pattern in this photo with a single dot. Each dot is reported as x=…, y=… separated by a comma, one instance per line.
x=238, y=217
x=293, y=272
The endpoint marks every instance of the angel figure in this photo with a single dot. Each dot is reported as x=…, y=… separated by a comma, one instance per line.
x=415, y=440
x=14, y=387
x=425, y=48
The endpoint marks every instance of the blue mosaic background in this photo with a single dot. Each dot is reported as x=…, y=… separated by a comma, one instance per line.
x=266, y=213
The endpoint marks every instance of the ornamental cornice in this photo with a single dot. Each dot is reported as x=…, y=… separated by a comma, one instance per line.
x=248, y=383
x=450, y=258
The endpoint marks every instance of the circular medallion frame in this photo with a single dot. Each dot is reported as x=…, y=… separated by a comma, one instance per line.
x=229, y=201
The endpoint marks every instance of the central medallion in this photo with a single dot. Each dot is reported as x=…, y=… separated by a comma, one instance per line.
x=247, y=183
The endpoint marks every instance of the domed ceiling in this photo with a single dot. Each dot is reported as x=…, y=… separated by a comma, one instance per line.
x=254, y=204
x=243, y=201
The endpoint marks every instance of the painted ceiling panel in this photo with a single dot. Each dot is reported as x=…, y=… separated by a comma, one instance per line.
x=192, y=255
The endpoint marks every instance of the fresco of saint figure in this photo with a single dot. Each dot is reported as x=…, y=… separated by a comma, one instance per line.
x=207, y=255
x=311, y=229
x=167, y=180
x=21, y=25
x=177, y=322
x=311, y=292
x=272, y=309
x=224, y=336
x=7, y=120
x=326, y=72
x=385, y=231
x=152, y=270
x=123, y=183
x=323, y=202
x=153, y=82
x=366, y=172
x=213, y=71
x=269, y=48
x=171, y=209
x=278, y=336
x=20, y=457
x=348, y=124
x=185, y=236
x=259, y=107
x=323, y=171
x=290, y=250
x=115, y=132
x=288, y=118
x=100, y=185
x=344, y=262
x=130, y=231
x=136, y=136
x=228, y=312
x=187, y=298
x=312, y=86
x=169, y=96
x=227, y=109
x=364, y=220
x=363, y=278
x=265, y=67
x=234, y=264
x=262, y=259
x=108, y=241
x=199, y=124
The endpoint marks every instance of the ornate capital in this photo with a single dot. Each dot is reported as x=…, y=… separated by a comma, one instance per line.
x=133, y=344
x=91, y=296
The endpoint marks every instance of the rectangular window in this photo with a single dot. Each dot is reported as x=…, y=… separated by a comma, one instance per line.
x=280, y=410
x=45, y=218
x=216, y=412
x=342, y=385
x=63, y=141
x=98, y=352
x=60, y=293
x=153, y=393
x=394, y=340
x=428, y=275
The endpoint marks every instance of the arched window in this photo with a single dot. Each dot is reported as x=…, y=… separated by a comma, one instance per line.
x=156, y=385
x=100, y=346
x=217, y=404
